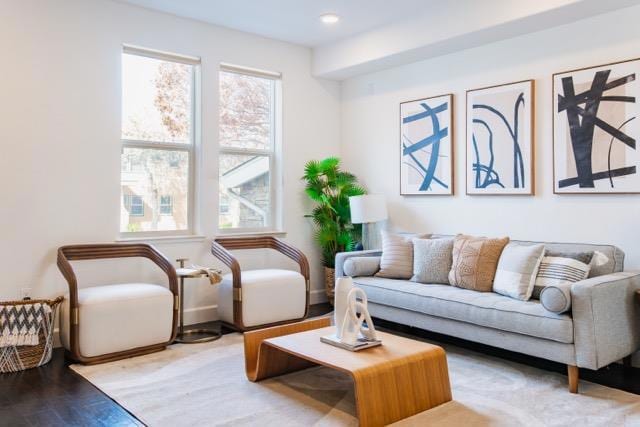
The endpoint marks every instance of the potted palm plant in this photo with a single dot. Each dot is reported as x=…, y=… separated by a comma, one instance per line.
x=329, y=188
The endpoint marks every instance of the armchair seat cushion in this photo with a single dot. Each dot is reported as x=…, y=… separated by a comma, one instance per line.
x=120, y=317
x=268, y=296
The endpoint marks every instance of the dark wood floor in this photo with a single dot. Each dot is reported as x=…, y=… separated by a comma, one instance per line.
x=54, y=395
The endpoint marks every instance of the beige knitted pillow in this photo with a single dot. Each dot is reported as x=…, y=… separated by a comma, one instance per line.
x=397, y=255
x=475, y=260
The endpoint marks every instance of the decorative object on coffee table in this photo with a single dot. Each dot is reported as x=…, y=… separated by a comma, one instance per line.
x=194, y=335
x=26, y=333
x=344, y=285
x=250, y=299
x=329, y=188
x=394, y=381
x=87, y=329
x=352, y=335
x=369, y=210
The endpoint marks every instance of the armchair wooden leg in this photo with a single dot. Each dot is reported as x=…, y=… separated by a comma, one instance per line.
x=573, y=374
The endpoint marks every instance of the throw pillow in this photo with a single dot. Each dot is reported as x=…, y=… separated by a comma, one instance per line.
x=397, y=256
x=517, y=270
x=475, y=260
x=556, y=298
x=361, y=266
x=558, y=269
x=432, y=259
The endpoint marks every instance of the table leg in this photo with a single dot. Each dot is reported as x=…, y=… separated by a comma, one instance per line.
x=401, y=388
x=182, y=306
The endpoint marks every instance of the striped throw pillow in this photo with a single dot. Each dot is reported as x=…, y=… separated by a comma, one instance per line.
x=557, y=271
x=397, y=255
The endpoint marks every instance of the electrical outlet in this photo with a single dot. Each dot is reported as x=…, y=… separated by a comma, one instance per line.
x=25, y=293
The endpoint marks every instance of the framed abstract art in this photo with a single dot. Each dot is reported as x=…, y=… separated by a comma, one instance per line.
x=595, y=125
x=500, y=142
x=426, y=146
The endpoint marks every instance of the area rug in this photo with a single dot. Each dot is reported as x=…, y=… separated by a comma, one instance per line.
x=205, y=385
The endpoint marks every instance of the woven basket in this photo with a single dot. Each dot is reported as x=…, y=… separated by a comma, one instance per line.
x=19, y=358
x=330, y=283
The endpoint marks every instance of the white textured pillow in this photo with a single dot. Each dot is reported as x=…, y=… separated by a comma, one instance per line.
x=517, y=270
x=397, y=255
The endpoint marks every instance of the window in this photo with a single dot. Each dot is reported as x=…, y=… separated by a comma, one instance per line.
x=134, y=205
x=166, y=205
x=249, y=122
x=158, y=149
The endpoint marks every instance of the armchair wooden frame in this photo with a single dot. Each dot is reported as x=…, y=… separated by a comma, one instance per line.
x=103, y=251
x=220, y=249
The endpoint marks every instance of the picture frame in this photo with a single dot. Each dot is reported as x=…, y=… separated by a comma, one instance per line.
x=594, y=142
x=500, y=139
x=426, y=146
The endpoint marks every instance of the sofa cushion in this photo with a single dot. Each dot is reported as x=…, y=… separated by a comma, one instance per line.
x=480, y=308
x=517, y=270
x=614, y=255
x=432, y=259
x=397, y=255
x=361, y=266
x=475, y=260
x=557, y=267
x=556, y=298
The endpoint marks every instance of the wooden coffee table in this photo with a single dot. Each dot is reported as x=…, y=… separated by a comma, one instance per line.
x=394, y=381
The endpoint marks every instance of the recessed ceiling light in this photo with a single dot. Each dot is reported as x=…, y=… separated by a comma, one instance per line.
x=329, y=18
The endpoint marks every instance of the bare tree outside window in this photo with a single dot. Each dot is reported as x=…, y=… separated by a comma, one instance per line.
x=157, y=117
x=247, y=135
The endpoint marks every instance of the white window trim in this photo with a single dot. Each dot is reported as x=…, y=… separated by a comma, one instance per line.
x=274, y=153
x=192, y=148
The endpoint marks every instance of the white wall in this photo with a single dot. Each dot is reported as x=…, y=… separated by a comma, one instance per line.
x=60, y=136
x=370, y=132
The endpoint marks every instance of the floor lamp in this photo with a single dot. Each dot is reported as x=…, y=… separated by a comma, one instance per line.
x=369, y=210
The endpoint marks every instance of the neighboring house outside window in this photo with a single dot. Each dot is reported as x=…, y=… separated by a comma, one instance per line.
x=249, y=139
x=134, y=204
x=158, y=142
x=166, y=205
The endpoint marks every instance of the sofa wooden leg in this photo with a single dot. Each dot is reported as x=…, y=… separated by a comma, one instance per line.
x=573, y=374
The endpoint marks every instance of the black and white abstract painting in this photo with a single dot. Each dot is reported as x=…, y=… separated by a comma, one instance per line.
x=500, y=139
x=595, y=125
x=426, y=152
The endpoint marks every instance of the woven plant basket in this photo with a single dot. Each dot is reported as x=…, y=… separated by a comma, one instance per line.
x=19, y=358
x=330, y=283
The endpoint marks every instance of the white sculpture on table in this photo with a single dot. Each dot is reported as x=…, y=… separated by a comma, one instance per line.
x=344, y=285
x=353, y=325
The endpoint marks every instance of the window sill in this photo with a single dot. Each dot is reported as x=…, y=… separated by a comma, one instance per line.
x=162, y=239
x=251, y=234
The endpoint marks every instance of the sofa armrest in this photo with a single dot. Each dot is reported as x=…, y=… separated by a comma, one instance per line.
x=341, y=257
x=606, y=320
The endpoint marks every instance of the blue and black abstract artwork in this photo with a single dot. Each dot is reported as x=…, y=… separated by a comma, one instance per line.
x=595, y=129
x=425, y=146
x=499, y=139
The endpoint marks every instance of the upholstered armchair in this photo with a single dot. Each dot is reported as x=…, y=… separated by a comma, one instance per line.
x=110, y=322
x=252, y=299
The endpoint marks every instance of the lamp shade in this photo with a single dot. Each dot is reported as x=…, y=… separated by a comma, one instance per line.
x=368, y=208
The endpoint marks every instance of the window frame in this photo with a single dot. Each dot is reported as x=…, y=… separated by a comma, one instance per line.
x=191, y=148
x=275, y=220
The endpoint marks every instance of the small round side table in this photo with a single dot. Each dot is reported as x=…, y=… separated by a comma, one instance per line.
x=187, y=336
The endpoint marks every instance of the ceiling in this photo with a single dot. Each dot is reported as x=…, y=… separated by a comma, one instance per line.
x=294, y=21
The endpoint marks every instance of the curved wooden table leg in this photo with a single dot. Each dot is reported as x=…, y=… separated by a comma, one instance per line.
x=400, y=388
x=270, y=362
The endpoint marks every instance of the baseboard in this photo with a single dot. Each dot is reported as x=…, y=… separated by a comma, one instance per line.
x=317, y=296
x=208, y=313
